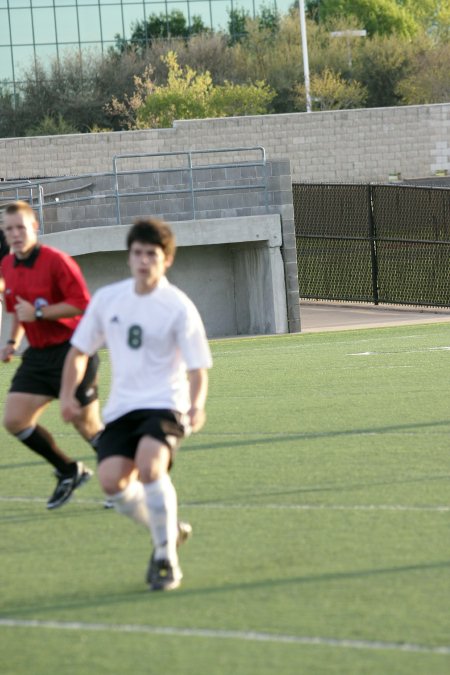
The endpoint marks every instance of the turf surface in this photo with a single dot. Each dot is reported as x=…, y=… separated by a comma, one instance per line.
x=318, y=493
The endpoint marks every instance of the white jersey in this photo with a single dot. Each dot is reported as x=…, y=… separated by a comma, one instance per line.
x=153, y=340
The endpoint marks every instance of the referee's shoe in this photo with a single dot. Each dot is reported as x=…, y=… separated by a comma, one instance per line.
x=66, y=484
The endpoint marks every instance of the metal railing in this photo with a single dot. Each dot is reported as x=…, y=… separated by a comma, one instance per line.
x=191, y=169
x=42, y=194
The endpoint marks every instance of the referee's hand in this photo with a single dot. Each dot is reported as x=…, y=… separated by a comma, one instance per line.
x=6, y=353
x=24, y=310
x=70, y=409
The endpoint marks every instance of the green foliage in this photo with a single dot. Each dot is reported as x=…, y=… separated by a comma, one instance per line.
x=382, y=17
x=273, y=59
x=269, y=19
x=126, y=111
x=51, y=126
x=231, y=100
x=392, y=68
x=144, y=33
x=192, y=95
x=237, y=25
x=185, y=96
x=381, y=64
x=329, y=91
x=7, y=112
x=418, y=87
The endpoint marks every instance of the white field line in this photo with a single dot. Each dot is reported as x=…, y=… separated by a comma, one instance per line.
x=308, y=345
x=402, y=351
x=247, y=636
x=281, y=507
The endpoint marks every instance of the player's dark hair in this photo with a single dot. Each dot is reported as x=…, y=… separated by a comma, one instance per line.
x=152, y=231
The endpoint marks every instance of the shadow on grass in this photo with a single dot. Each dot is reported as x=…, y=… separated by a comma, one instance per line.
x=313, y=435
x=40, y=462
x=310, y=490
x=141, y=594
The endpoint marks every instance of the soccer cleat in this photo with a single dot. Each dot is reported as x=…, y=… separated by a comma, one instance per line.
x=162, y=575
x=67, y=484
x=184, y=532
x=108, y=504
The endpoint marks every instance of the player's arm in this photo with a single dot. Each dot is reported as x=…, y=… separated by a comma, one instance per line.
x=26, y=311
x=16, y=335
x=74, y=370
x=198, y=386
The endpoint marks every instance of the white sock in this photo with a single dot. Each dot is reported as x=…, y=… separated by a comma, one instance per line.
x=162, y=506
x=131, y=502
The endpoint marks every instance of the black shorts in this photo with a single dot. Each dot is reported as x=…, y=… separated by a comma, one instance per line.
x=41, y=370
x=121, y=437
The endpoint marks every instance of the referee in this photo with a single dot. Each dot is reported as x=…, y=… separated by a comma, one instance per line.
x=45, y=291
x=4, y=250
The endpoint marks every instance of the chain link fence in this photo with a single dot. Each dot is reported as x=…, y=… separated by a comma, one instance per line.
x=373, y=243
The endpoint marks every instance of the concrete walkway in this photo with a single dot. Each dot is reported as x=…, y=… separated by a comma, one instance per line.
x=318, y=316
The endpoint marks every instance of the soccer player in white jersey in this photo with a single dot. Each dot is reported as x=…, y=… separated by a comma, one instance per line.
x=159, y=356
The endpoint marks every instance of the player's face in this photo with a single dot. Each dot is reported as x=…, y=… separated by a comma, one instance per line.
x=21, y=232
x=148, y=263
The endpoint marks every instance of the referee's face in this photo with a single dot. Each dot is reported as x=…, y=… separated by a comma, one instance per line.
x=148, y=263
x=21, y=232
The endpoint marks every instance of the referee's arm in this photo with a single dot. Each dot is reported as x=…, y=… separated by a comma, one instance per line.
x=74, y=370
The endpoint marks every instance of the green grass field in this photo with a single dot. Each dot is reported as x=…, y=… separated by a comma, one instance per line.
x=319, y=497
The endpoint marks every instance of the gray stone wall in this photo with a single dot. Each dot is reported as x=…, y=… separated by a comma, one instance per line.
x=346, y=145
x=232, y=269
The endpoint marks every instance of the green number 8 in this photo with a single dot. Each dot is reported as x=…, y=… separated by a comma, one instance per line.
x=135, y=337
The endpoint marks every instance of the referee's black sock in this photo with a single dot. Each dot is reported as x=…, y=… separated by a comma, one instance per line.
x=42, y=442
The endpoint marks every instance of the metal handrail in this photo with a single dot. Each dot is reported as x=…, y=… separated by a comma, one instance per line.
x=37, y=196
x=189, y=154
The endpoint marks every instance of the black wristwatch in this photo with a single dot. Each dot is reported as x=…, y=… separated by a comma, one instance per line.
x=38, y=315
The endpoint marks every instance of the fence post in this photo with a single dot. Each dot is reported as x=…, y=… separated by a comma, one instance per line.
x=116, y=190
x=191, y=184
x=373, y=245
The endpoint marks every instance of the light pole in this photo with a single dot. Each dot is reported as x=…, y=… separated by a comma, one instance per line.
x=301, y=9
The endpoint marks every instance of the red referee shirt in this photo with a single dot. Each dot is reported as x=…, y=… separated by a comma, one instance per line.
x=46, y=277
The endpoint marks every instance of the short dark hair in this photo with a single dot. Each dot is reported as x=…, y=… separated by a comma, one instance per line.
x=152, y=231
x=20, y=207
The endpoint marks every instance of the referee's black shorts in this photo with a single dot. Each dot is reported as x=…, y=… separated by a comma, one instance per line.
x=41, y=370
x=121, y=436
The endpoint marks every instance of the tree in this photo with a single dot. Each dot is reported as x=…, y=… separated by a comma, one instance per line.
x=8, y=125
x=126, y=112
x=273, y=59
x=382, y=62
x=329, y=91
x=383, y=17
x=52, y=126
x=70, y=87
x=269, y=19
x=189, y=95
x=237, y=25
x=144, y=33
x=418, y=87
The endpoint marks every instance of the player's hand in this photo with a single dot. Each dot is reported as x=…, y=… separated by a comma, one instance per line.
x=70, y=409
x=24, y=310
x=6, y=353
x=197, y=418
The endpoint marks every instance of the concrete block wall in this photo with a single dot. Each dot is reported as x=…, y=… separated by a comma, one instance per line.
x=345, y=145
x=221, y=204
x=231, y=268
